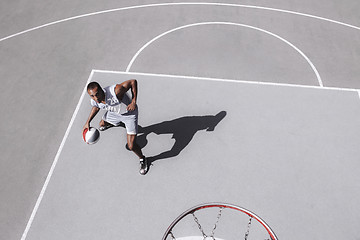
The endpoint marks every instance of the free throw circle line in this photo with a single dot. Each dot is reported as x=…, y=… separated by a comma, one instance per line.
x=227, y=23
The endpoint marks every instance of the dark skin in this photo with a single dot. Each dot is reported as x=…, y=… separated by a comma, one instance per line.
x=98, y=96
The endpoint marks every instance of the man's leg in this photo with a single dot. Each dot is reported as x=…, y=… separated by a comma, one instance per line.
x=133, y=146
x=110, y=120
x=103, y=125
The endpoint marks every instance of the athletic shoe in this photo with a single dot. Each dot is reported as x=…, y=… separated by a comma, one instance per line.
x=109, y=125
x=143, y=166
x=103, y=128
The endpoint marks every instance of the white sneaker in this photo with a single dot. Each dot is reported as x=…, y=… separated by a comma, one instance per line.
x=143, y=166
x=103, y=128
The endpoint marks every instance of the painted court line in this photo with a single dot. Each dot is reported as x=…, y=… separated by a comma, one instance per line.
x=55, y=161
x=230, y=80
x=178, y=4
x=234, y=24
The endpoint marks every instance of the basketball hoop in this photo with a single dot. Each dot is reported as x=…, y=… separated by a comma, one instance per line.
x=241, y=216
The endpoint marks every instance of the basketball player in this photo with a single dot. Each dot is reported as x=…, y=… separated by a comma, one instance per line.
x=120, y=110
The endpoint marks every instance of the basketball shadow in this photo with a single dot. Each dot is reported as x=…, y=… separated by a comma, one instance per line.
x=182, y=129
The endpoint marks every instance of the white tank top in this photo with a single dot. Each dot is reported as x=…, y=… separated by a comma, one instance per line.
x=112, y=103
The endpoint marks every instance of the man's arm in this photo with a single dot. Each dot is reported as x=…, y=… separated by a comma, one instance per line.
x=93, y=112
x=122, y=88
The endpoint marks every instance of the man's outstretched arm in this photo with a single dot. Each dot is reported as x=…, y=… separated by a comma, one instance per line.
x=122, y=88
x=93, y=112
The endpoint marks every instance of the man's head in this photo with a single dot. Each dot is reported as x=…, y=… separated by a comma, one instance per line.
x=96, y=92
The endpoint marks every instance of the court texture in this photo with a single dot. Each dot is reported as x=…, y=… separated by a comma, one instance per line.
x=251, y=103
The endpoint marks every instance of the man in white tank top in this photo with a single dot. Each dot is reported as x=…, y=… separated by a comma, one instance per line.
x=120, y=108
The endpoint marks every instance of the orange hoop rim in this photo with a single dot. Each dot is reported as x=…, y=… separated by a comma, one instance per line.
x=220, y=205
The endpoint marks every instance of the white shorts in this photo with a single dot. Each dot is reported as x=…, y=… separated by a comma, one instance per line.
x=130, y=120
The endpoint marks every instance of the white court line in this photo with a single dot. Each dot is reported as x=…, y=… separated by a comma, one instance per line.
x=177, y=4
x=47, y=180
x=227, y=23
x=230, y=80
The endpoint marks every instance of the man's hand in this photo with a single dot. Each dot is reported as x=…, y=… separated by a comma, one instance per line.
x=93, y=112
x=86, y=126
x=131, y=107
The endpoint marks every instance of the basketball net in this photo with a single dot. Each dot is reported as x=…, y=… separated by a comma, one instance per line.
x=189, y=220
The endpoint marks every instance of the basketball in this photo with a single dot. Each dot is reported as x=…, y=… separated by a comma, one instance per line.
x=91, y=135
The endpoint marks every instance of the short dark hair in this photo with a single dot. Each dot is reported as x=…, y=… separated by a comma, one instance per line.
x=93, y=85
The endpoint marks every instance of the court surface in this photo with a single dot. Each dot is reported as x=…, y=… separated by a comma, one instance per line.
x=254, y=105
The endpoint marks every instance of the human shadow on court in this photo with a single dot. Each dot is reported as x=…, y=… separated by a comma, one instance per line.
x=183, y=130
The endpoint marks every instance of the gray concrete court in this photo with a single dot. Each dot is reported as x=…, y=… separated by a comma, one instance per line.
x=307, y=136
x=287, y=153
